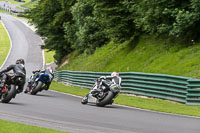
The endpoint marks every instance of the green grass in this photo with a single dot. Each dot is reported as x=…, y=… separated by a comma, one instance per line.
x=138, y=102
x=149, y=55
x=68, y=89
x=11, y=127
x=4, y=44
x=30, y=4
x=49, y=56
x=2, y=11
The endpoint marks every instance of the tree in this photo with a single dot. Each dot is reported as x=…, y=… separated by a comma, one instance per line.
x=116, y=17
x=49, y=17
x=85, y=33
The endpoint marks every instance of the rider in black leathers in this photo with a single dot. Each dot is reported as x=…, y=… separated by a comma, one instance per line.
x=18, y=69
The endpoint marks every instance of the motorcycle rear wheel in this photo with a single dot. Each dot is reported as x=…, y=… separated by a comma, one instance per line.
x=108, y=98
x=7, y=96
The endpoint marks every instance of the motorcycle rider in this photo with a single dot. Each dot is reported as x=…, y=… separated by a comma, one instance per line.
x=36, y=74
x=114, y=78
x=19, y=70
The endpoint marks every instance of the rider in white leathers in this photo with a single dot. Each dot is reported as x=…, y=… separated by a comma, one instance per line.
x=115, y=79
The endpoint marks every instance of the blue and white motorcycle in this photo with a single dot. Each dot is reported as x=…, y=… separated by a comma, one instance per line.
x=42, y=82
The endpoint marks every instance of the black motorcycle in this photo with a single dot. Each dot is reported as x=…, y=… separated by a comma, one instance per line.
x=9, y=90
x=103, y=96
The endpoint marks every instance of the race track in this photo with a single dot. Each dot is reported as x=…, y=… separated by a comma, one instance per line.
x=64, y=112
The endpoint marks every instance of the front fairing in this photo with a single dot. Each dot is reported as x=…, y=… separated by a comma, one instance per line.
x=92, y=99
x=44, y=78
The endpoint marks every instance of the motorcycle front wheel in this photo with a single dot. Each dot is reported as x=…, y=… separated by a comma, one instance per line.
x=38, y=87
x=84, y=100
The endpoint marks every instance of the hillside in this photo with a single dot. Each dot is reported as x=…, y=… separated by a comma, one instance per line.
x=149, y=54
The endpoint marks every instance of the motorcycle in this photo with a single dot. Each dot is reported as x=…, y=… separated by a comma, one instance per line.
x=9, y=90
x=103, y=97
x=42, y=82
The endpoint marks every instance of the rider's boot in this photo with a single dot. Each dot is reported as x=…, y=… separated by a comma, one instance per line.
x=46, y=87
x=26, y=90
x=20, y=89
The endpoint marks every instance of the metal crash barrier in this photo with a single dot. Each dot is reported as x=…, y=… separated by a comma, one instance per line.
x=185, y=90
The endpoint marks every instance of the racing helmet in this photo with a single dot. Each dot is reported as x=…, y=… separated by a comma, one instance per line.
x=50, y=69
x=115, y=74
x=20, y=61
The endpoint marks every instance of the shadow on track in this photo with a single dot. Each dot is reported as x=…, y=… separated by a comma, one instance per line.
x=13, y=103
x=107, y=106
x=43, y=95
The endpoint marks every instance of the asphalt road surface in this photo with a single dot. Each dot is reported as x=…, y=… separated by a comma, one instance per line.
x=65, y=112
x=25, y=44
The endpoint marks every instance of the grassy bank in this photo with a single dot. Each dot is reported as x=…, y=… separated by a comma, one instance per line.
x=149, y=55
x=138, y=102
x=4, y=43
x=11, y=127
x=30, y=4
x=49, y=56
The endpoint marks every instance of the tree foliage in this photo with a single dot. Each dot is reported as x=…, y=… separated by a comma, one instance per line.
x=84, y=25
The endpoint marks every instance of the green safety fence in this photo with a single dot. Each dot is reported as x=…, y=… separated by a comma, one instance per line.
x=185, y=90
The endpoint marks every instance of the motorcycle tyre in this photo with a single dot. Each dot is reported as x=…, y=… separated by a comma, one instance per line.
x=12, y=92
x=84, y=101
x=106, y=100
x=38, y=88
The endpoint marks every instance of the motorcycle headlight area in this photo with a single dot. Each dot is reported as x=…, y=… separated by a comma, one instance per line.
x=115, y=88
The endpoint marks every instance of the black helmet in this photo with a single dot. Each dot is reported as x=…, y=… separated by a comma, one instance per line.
x=20, y=61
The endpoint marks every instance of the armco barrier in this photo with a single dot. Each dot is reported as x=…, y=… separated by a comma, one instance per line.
x=176, y=88
x=193, y=95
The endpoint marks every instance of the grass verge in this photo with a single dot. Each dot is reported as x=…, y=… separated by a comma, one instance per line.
x=30, y=4
x=49, y=56
x=149, y=55
x=12, y=127
x=138, y=102
x=2, y=11
x=4, y=43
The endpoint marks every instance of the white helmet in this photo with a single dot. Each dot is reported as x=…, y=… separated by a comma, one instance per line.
x=50, y=69
x=115, y=74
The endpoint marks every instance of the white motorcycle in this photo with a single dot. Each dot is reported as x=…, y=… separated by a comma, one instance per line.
x=101, y=95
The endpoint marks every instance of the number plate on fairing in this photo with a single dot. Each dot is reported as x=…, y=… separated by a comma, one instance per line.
x=91, y=99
